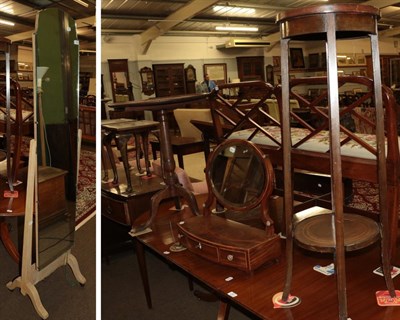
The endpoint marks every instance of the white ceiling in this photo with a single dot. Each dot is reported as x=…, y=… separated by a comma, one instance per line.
x=23, y=14
x=153, y=18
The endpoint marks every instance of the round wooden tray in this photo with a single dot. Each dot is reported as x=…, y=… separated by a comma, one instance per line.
x=316, y=233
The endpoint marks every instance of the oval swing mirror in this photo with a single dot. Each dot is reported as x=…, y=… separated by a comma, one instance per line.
x=239, y=175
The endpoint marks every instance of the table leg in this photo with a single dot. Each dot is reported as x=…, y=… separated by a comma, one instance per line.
x=145, y=139
x=107, y=143
x=7, y=242
x=141, y=258
x=206, y=146
x=154, y=151
x=138, y=151
x=223, y=311
x=122, y=145
x=173, y=188
x=180, y=160
x=103, y=159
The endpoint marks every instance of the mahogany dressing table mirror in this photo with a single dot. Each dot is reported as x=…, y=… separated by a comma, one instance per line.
x=240, y=178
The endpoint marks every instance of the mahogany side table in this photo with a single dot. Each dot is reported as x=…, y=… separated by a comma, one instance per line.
x=173, y=188
x=121, y=132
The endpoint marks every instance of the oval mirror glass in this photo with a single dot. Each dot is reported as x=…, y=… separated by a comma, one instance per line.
x=236, y=174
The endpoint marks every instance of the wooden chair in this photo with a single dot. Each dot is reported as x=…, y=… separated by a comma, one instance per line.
x=190, y=140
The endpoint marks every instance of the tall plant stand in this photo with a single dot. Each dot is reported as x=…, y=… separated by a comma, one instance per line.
x=329, y=23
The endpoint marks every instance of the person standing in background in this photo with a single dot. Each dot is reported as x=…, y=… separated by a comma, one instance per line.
x=207, y=85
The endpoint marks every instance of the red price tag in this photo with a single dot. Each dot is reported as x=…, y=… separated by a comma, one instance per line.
x=384, y=299
x=10, y=194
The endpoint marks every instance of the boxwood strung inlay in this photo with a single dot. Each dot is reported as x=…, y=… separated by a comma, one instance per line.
x=228, y=242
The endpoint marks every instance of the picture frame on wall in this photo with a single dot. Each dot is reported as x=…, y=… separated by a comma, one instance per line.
x=276, y=61
x=313, y=60
x=323, y=60
x=360, y=59
x=341, y=60
x=296, y=58
x=216, y=72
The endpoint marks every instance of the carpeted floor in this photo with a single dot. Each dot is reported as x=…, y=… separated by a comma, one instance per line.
x=122, y=291
x=86, y=199
x=61, y=295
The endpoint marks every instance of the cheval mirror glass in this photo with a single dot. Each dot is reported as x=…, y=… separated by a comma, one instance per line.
x=239, y=178
x=119, y=77
x=57, y=79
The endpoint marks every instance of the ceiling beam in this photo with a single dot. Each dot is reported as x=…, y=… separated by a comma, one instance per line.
x=27, y=35
x=389, y=32
x=202, y=19
x=16, y=19
x=182, y=14
x=380, y=3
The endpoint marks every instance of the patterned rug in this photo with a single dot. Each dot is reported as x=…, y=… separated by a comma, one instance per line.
x=365, y=196
x=86, y=199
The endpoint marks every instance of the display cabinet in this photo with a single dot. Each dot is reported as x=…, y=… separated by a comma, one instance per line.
x=169, y=79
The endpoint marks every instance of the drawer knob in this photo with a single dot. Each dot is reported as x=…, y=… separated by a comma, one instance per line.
x=199, y=245
x=108, y=209
x=230, y=257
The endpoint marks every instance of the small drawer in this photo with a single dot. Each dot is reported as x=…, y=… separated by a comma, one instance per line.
x=233, y=258
x=115, y=210
x=206, y=251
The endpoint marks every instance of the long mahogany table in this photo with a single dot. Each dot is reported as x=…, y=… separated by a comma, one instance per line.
x=254, y=291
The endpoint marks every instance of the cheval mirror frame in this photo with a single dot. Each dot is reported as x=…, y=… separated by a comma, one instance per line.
x=238, y=165
x=56, y=126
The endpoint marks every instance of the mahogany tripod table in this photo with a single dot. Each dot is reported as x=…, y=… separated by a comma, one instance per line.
x=173, y=188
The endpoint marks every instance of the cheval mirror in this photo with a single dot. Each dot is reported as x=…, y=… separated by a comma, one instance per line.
x=53, y=167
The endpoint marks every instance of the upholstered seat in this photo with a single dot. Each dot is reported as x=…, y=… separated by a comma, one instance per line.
x=183, y=118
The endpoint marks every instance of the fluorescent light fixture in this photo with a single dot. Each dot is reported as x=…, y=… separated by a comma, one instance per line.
x=6, y=22
x=82, y=3
x=6, y=8
x=230, y=28
x=234, y=10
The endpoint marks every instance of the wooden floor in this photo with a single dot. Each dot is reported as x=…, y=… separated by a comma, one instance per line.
x=255, y=291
